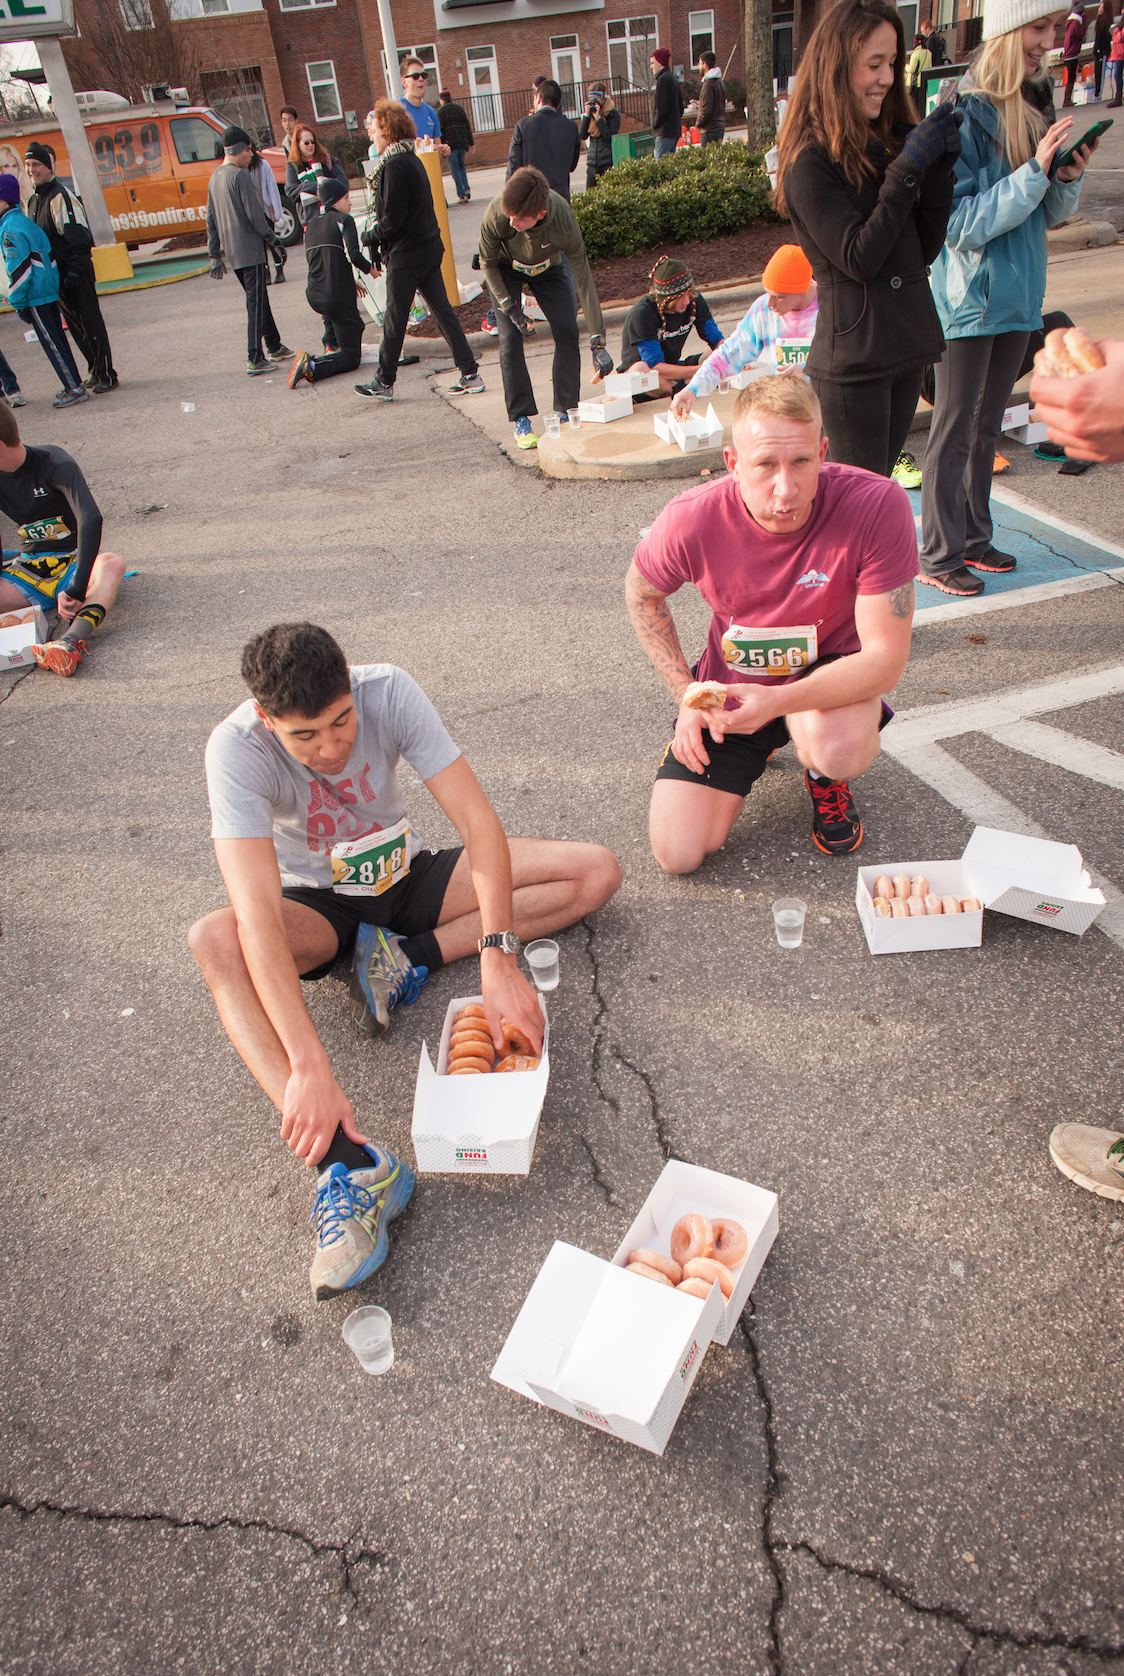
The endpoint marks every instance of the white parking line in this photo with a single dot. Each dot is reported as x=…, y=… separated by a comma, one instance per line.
x=912, y=741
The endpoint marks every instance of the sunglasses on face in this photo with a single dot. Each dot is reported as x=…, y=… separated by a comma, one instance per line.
x=416, y=75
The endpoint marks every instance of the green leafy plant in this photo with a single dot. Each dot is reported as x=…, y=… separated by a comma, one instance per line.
x=699, y=193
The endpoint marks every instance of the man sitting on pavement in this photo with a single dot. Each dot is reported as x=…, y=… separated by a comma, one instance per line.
x=523, y=237
x=808, y=570
x=787, y=310
x=305, y=764
x=331, y=246
x=658, y=326
x=58, y=526
x=239, y=230
x=63, y=219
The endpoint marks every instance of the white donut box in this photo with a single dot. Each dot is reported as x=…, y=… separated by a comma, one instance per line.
x=618, y=1352
x=1029, y=878
x=26, y=626
x=484, y=1125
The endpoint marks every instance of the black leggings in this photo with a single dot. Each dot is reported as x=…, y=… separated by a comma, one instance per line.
x=346, y=328
x=867, y=423
x=401, y=283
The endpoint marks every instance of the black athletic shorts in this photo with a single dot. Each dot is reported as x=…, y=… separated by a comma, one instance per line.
x=407, y=908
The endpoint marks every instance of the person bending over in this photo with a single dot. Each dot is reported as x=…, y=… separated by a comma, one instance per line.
x=787, y=310
x=808, y=570
x=58, y=526
x=656, y=328
x=306, y=763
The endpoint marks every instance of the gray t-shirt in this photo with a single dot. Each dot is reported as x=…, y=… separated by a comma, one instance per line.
x=257, y=790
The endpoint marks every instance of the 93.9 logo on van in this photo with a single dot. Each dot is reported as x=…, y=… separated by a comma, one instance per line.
x=119, y=160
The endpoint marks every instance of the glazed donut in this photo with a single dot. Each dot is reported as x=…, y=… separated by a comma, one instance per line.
x=461, y=1065
x=707, y=1269
x=898, y=908
x=882, y=908
x=705, y=695
x=471, y=1032
x=932, y=904
x=654, y=1260
x=969, y=905
x=518, y=1062
x=692, y=1236
x=730, y=1242
x=469, y=1050
x=695, y=1288
x=884, y=886
x=950, y=905
x=903, y=884
x=1056, y=357
x=1082, y=351
x=472, y=1010
x=649, y=1274
x=920, y=886
x=514, y=1041
x=916, y=906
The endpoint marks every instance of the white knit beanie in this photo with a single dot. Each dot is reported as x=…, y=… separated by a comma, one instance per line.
x=1001, y=16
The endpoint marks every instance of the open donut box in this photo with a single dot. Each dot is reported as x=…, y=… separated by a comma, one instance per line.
x=1029, y=878
x=619, y=1352
x=486, y=1125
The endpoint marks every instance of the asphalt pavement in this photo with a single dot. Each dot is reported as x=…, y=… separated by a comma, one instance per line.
x=905, y=1461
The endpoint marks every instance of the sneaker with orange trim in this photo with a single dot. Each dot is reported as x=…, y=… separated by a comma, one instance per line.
x=836, y=827
x=62, y=657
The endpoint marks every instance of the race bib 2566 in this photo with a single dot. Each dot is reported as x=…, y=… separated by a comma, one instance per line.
x=771, y=651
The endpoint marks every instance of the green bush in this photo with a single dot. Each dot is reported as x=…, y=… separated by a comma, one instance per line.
x=699, y=193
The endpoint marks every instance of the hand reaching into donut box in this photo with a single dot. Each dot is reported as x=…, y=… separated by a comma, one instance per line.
x=472, y=1051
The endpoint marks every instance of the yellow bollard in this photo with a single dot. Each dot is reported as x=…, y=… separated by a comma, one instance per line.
x=431, y=161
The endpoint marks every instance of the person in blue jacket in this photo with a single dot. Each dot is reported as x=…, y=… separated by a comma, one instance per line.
x=33, y=288
x=989, y=281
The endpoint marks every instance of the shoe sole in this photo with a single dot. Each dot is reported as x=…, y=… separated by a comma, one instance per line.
x=58, y=659
x=361, y=1013
x=396, y=1201
x=298, y=375
x=957, y=593
x=1082, y=1180
x=256, y=372
x=991, y=569
x=828, y=849
x=524, y=442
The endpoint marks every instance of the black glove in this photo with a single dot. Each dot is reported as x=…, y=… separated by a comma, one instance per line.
x=71, y=282
x=931, y=139
x=514, y=312
x=947, y=161
x=280, y=254
x=602, y=360
x=218, y=269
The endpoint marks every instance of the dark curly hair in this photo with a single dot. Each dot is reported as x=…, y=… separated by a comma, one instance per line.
x=295, y=669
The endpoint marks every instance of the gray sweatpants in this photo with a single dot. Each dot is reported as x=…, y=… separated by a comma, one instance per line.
x=973, y=386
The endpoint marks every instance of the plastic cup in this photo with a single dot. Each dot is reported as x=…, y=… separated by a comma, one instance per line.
x=788, y=921
x=573, y=414
x=723, y=386
x=553, y=425
x=367, y=1332
x=542, y=958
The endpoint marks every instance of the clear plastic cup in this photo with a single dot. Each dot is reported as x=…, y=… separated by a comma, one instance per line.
x=542, y=958
x=553, y=425
x=367, y=1332
x=723, y=386
x=788, y=921
x=573, y=414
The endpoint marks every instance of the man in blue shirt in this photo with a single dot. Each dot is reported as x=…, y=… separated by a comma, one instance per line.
x=423, y=116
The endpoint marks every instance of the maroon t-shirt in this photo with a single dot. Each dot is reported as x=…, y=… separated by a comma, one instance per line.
x=860, y=539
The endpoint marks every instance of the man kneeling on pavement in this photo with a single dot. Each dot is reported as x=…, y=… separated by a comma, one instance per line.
x=808, y=570
x=308, y=763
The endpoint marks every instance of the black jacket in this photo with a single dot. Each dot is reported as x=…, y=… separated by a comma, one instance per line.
x=667, y=107
x=600, y=153
x=54, y=210
x=870, y=249
x=456, y=130
x=547, y=141
x=405, y=231
x=331, y=245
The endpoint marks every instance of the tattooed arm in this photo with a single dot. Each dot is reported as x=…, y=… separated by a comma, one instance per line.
x=656, y=631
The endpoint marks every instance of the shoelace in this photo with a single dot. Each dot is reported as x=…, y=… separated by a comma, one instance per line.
x=336, y=1203
x=407, y=987
x=833, y=800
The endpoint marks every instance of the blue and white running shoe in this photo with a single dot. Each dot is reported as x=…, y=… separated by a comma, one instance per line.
x=382, y=978
x=351, y=1212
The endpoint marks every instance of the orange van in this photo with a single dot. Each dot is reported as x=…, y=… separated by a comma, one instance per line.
x=155, y=162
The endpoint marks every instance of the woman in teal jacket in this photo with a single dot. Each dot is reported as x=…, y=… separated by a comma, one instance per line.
x=989, y=281
x=33, y=288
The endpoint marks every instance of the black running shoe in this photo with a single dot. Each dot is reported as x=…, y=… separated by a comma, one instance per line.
x=836, y=827
x=960, y=582
x=993, y=560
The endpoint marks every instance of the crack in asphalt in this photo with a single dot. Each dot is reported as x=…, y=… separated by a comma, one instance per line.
x=348, y=1557
x=604, y=1048
x=772, y=1490
x=29, y=671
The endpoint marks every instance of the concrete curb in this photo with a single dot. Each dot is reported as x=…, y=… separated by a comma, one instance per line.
x=1079, y=234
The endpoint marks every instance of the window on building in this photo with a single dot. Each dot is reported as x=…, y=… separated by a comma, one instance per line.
x=210, y=7
x=325, y=93
x=136, y=14
x=782, y=49
x=295, y=5
x=700, y=28
x=632, y=41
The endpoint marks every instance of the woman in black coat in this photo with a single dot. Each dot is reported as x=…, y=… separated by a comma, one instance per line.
x=868, y=190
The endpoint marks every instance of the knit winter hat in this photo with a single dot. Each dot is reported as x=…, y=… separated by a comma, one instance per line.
x=37, y=153
x=1001, y=16
x=234, y=140
x=662, y=56
x=9, y=189
x=331, y=190
x=788, y=272
x=669, y=279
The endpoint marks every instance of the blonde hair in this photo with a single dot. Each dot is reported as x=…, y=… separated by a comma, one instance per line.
x=787, y=395
x=999, y=74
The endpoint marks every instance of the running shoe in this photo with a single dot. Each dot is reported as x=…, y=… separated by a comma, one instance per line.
x=906, y=472
x=488, y=325
x=993, y=560
x=959, y=582
x=100, y=387
x=525, y=435
x=256, y=368
x=16, y=399
x=473, y=386
x=1049, y=451
x=1093, y=1158
x=281, y=353
x=61, y=657
x=381, y=392
x=836, y=827
x=351, y=1214
x=382, y=978
x=301, y=369
x=71, y=398
x=999, y=465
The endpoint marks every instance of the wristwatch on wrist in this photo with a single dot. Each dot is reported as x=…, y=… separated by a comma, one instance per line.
x=505, y=940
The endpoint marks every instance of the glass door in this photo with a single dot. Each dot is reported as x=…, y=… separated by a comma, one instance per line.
x=565, y=67
x=484, y=83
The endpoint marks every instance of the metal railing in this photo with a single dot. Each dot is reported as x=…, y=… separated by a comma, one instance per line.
x=491, y=111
